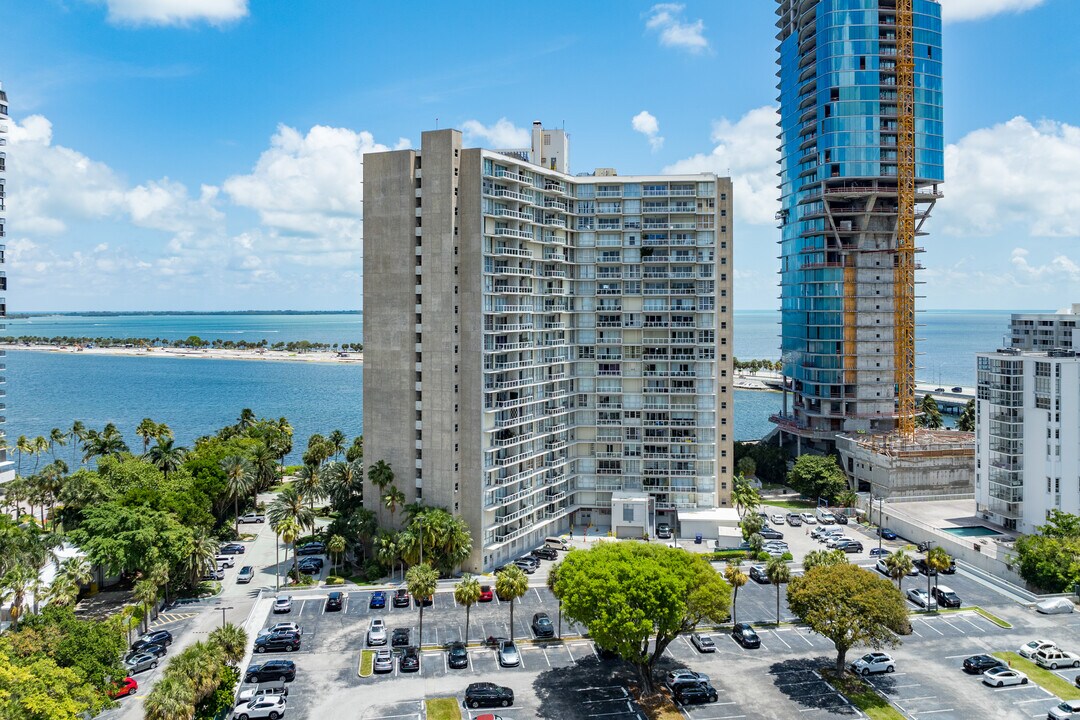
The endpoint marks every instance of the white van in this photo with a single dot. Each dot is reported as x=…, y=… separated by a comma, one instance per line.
x=825, y=517
x=556, y=542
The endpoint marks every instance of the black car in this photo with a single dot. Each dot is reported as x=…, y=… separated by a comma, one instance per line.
x=426, y=602
x=757, y=574
x=409, y=660
x=696, y=694
x=841, y=519
x=922, y=566
x=276, y=642
x=310, y=566
x=485, y=694
x=334, y=600
x=745, y=635
x=311, y=548
x=156, y=637
x=663, y=531
x=769, y=533
x=977, y=664
x=401, y=598
x=283, y=670
x=541, y=625
x=945, y=597
x=457, y=656
x=232, y=549
x=155, y=649
x=378, y=600
x=547, y=553
x=400, y=637
x=851, y=546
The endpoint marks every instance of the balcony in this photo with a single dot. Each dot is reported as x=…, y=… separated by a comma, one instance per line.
x=510, y=232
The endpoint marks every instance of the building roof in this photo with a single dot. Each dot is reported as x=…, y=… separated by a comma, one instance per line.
x=717, y=515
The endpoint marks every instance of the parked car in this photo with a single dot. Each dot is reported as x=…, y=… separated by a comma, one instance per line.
x=401, y=598
x=485, y=694
x=252, y=517
x=486, y=593
x=399, y=638
x=874, y=662
x=841, y=519
x=311, y=548
x=546, y=553
x=851, y=546
x=529, y=560
x=808, y=518
x=267, y=706
x=508, y=654
x=663, y=531
x=696, y=694
x=978, y=664
x=232, y=549
x=283, y=627
x=457, y=656
x=246, y=574
x=426, y=602
x=1002, y=676
x=794, y=519
x=757, y=574
x=1054, y=658
x=1055, y=606
x=275, y=687
x=1028, y=650
x=154, y=637
x=769, y=533
x=225, y=561
x=837, y=541
x=283, y=604
x=283, y=670
x=376, y=634
x=276, y=642
x=542, y=627
x=527, y=568
x=139, y=662
x=334, y=600
x=211, y=574
x=1068, y=710
x=378, y=600
x=384, y=661
x=879, y=552
x=745, y=635
x=410, y=659
x=777, y=519
x=884, y=569
x=123, y=688
x=946, y=597
x=684, y=677
x=825, y=517
x=310, y=565
x=703, y=642
x=886, y=534
x=921, y=598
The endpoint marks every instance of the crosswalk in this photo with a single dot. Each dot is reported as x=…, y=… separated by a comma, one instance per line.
x=169, y=618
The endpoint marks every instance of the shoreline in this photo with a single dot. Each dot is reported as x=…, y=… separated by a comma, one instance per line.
x=266, y=355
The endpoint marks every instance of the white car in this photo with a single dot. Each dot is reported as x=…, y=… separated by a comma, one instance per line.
x=1055, y=606
x=808, y=518
x=251, y=518
x=703, y=642
x=250, y=694
x=267, y=706
x=1028, y=650
x=283, y=604
x=1054, y=658
x=376, y=634
x=836, y=541
x=884, y=569
x=282, y=627
x=384, y=661
x=778, y=519
x=874, y=662
x=921, y=598
x=1002, y=676
x=1068, y=710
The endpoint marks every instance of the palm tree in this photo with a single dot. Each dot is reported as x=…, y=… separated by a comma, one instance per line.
x=77, y=435
x=41, y=446
x=336, y=546
x=387, y=551
x=201, y=551
x=13, y=587
x=898, y=564
x=381, y=475
x=467, y=593
x=966, y=421
x=146, y=594
x=171, y=699
x=511, y=584
x=246, y=419
x=62, y=591
x=56, y=437
x=736, y=578
x=336, y=440
x=108, y=442
x=288, y=529
x=309, y=483
x=163, y=432
x=778, y=573
x=264, y=467
x=744, y=496
x=231, y=641
x=421, y=580
x=147, y=429
x=23, y=445
x=166, y=456
x=290, y=503
x=848, y=498
x=939, y=561
x=355, y=453
x=392, y=498
x=159, y=575
x=239, y=480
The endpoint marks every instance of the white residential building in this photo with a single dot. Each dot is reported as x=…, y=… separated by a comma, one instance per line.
x=1027, y=436
x=1044, y=331
x=7, y=466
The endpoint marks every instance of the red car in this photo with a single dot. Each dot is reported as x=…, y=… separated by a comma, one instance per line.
x=485, y=593
x=123, y=688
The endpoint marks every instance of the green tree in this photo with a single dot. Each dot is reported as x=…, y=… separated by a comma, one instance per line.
x=421, y=580
x=127, y=539
x=847, y=499
x=336, y=439
x=387, y=551
x=147, y=430
x=1049, y=559
x=823, y=558
x=239, y=481
x=40, y=690
x=231, y=641
x=290, y=503
x=166, y=456
x=57, y=438
x=929, y=413
x=817, y=476
x=467, y=594
x=264, y=467
x=511, y=584
x=199, y=556
x=381, y=476
x=746, y=466
x=849, y=606
x=23, y=445
x=751, y=525
x=778, y=573
x=744, y=496
x=736, y=578
x=635, y=598
x=77, y=435
x=171, y=699
x=288, y=529
x=336, y=547
x=392, y=499
x=309, y=483
x=899, y=565
x=938, y=560
x=966, y=421
x=355, y=453
x=146, y=594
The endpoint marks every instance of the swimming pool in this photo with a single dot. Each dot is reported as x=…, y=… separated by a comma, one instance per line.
x=971, y=531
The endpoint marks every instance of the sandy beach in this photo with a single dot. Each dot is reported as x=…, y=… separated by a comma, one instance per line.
x=313, y=356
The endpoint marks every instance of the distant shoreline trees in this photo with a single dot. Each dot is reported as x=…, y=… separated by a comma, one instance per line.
x=193, y=342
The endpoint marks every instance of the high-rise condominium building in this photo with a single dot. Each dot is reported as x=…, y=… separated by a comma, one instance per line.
x=1044, y=331
x=1027, y=431
x=838, y=183
x=536, y=341
x=7, y=467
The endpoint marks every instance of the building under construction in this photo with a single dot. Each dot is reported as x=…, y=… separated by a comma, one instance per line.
x=861, y=164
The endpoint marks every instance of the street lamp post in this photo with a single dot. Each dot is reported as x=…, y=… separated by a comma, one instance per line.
x=880, y=519
x=223, y=609
x=928, y=545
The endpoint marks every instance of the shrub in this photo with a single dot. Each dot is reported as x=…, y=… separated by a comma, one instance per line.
x=334, y=580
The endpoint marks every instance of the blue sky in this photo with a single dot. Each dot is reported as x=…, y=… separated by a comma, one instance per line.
x=206, y=154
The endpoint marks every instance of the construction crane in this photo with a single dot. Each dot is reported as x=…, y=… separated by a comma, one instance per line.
x=904, y=263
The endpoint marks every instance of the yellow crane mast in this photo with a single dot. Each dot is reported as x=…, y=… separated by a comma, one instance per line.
x=904, y=268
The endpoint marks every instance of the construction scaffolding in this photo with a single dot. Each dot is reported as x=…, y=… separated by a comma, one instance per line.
x=904, y=263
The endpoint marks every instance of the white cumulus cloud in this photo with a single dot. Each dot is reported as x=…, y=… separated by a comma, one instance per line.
x=957, y=10
x=502, y=135
x=175, y=12
x=1059, y=269
x=647, y=124
x=667, y=20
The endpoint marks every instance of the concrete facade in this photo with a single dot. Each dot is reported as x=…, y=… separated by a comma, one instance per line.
x=1027, y=425
x=7, y=465
x=937, y=464
x=537, y=341
x=1044, y=331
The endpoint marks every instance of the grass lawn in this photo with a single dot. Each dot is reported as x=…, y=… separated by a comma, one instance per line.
x=861, y=695
x=1047, y=680
x=367, y=663
x=985, y=613
x=443, y=709
x=790, y=504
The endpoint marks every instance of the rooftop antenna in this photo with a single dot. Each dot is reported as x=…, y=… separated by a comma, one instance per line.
x=436, y=123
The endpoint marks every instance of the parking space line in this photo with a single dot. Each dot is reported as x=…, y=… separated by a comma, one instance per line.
x=952, y=626
x=931, y=712
x=953, y=657
x=932, y=627
x=805, y=638
x=538, y=598
x=567, y=648
x=782, y=640
x=965, y=619
x=1038, y=699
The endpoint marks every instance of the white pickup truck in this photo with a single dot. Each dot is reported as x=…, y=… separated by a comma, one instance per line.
x=252, y=517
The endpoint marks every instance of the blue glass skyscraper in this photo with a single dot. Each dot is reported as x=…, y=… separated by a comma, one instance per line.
x=838, y=181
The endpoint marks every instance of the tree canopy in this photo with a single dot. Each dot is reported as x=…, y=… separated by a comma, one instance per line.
x=1050, y=559
x=629, y=594
x=817, y=476
x=929, y=413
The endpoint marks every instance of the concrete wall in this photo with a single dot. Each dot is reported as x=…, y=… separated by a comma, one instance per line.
x=907, y=475
x=725, y=349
